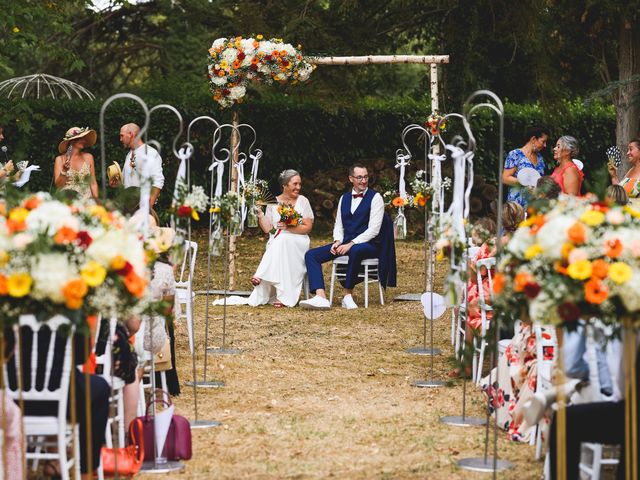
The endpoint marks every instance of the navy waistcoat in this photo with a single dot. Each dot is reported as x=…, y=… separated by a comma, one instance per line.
x=357, y=222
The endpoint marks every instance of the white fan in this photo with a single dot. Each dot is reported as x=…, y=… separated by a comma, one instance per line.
x=578, y=163
x=432, y=309
x=528, y=177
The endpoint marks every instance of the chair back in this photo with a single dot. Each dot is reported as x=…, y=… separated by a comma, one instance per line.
x=43, y=357
x=190, y=254
x=546, y=355
x=105, y=359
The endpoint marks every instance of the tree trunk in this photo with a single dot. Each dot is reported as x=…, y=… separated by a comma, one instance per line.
x=627, y=102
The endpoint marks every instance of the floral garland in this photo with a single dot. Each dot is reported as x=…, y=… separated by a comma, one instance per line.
x=75, y=259
x=580, y=259
x=234, y=62
x=433, y=121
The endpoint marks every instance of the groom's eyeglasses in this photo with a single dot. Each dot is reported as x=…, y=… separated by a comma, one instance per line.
x=361, y=177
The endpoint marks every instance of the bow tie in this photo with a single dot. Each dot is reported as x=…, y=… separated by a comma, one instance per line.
x=358, y=195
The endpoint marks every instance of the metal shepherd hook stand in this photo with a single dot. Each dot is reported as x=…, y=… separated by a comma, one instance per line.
x=487, y=463
x=186, y=152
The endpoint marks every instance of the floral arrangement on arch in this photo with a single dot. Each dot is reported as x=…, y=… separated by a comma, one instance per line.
x=420, y=193
x=75, y=259
x=433, y=121
x=235, y=62
x=578, y=260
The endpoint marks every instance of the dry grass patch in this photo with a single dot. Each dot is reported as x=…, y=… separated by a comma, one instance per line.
x=328, y=394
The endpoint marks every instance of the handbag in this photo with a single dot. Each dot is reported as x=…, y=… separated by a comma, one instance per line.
x=125, y=461
x=177, y=446
x=162, y=359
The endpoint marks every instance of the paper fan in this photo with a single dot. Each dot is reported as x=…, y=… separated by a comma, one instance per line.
x=265, y=197
x=578, y=163
x=614, y=155
x=528, y=177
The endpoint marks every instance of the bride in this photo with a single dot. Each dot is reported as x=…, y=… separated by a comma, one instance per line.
x=278, y=279
x=74, y=170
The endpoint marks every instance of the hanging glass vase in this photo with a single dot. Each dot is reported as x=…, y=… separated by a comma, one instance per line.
x=400, y=226
x=235, y=226
x=252, y=216
x=216, y=242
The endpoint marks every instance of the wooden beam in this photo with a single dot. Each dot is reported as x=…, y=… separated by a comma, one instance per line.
x=378, y=59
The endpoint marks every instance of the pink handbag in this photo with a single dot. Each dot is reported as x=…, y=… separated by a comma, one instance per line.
x=178, y=443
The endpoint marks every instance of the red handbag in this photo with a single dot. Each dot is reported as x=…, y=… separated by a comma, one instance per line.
x=178, y=443
x=125, y=461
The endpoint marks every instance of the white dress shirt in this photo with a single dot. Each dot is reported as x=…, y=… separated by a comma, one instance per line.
x=133, y=176
x=375, y=219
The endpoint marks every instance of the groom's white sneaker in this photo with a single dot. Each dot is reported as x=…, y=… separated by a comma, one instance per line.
x=316, y=303
x=348, y=303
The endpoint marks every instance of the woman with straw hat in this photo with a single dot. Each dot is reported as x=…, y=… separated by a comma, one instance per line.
x=75, y=170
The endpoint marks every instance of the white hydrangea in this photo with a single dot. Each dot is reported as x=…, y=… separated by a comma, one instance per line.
x=237, y=92
x=218, y=42
x=230, y=55
x=553, y=234
x=50, y=217
x=50, y=273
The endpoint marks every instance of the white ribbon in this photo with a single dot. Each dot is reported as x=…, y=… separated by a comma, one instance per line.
x=402, y=160
x=183, y=154
x=436, y=182
x=218, y=166
x=456, y=209
x=145, y=190
x=255, y=162
x=240, y=188
x=467, y=194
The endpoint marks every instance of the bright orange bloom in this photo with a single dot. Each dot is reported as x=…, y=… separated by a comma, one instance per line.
x=135, y=284
x=235, y=65
x=118, y=262
x=538, y=222
x=398, y=202
x=577, y=233
x=255, y=60
x=560, y=268
x=32, y=203
x=4, y=290
x=15, y=226
x=275, y=53
x=599, y=269
x=613, y=248
x=74, y=291
x=65, y=236
x=522, y=278
x=498, y=283
x=595, y=291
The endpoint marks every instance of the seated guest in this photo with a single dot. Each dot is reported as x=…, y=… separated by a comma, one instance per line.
x=630, y=181
x=547, y=188
x=617, y=195
x=567, y=174
x=484, y=231
x=278, y=279
x=361, y=231
x=512, y=217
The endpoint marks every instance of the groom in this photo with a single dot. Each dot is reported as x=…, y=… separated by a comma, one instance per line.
x=358, y=221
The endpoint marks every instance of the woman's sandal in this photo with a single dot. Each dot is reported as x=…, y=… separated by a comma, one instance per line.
x=278, y=304
x=255, y=281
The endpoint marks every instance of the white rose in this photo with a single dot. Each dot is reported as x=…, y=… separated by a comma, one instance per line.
x=553, y=234
x=50, y=274
x=219, y=80
x=230, y=55
x=218, y=42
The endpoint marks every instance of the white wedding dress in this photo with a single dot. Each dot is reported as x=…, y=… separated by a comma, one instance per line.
x=282, y=267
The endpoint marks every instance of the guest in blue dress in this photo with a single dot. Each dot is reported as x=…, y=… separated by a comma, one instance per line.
x=527, y=156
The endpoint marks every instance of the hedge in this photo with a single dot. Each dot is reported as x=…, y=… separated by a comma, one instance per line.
x=297, y=134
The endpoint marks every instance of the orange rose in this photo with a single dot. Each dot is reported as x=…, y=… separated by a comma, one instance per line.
x=577, y=233
x=599, y=269
x=522, y=278
x=538, y=222
x=3, y=285
x=74, y=291
x=560, y=268
x=595, y=291
x=65, y=236
x=14, y=226
x=135, y=284
x=613, y=248
x=32, y=203
x=498, y=283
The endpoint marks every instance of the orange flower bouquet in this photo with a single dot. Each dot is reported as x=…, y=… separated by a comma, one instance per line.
x=288, y=215
x=578, y=260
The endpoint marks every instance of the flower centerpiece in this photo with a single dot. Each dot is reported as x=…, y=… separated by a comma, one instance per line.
x=75, y=259
x=235, y=62
x=578, y=260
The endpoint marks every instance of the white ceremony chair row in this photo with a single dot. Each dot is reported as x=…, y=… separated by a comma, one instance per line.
x=184, y=289
x=370, y=275
x=56, y=390
x=546, y=357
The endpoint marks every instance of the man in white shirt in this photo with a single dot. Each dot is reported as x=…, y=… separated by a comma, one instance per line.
x=358, y=221
x=142, y=162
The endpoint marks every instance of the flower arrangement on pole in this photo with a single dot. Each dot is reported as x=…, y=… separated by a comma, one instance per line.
x=76, y=259
x=225, y=217
x=254, y=192
x=578, y=260
x=236, y=62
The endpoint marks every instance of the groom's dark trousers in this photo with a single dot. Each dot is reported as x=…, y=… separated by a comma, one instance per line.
x=315, y=257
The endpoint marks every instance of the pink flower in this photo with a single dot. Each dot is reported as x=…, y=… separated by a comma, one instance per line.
x=635, y=248
x=614, y=217
x=578, y=254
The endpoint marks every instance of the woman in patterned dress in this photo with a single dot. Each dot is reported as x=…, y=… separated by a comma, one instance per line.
x=75, y=170
x=630, y=181
x=528, y=156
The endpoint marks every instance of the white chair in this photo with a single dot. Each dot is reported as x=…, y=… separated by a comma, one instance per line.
x=49, y=389
x=370, y=274
x=184, y=289
x=593, y=450
x=485, y=307
x=117, y=385
x=471, y=252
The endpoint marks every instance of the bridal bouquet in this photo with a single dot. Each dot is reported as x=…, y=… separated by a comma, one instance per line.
x=288, y=215
x=580, y=259
x=235, y=62
x=75, y=259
